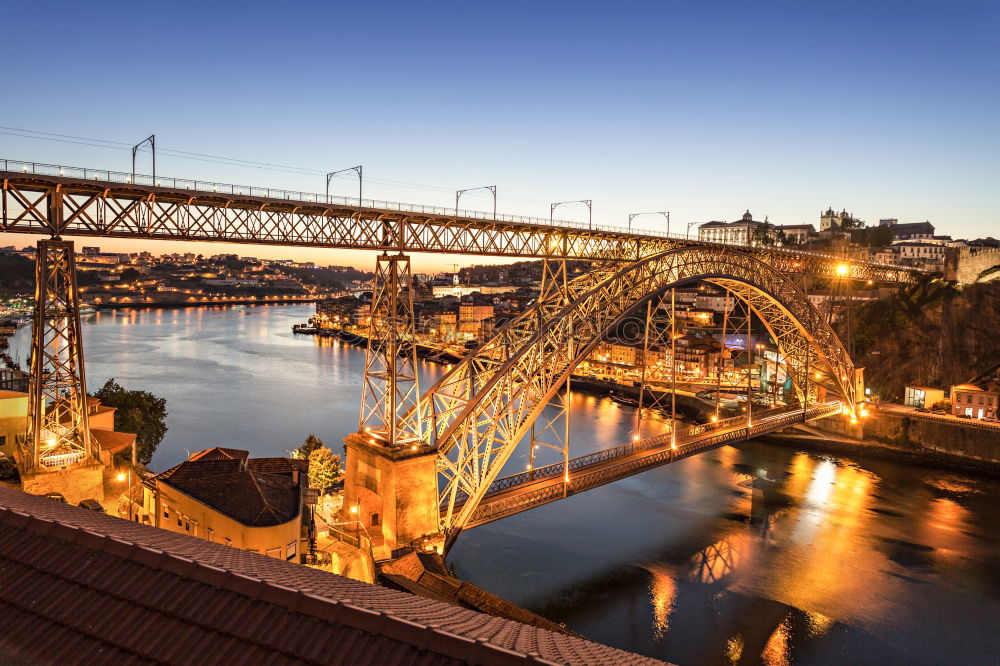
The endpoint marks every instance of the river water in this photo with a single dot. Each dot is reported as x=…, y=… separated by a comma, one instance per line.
x=759, y=553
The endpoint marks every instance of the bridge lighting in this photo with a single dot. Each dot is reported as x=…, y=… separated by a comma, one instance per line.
x=354, y=509
x=818, y=375
x=528, y=467
x=121, y=476
x=864, y=412
x=714, y=418
x=635, y=438
x=842, y=269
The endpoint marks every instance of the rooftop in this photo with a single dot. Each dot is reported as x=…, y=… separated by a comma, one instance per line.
x=179, y=599
x=256, y=492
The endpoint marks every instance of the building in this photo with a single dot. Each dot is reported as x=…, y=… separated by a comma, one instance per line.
x=978, y=398
x=13, y=419
x=738, y=232
x=116, y=592
x=909, y=231
x=833, y=221
x=922, y=396
x=796, y=234
x=921, y=253
x=224, y=496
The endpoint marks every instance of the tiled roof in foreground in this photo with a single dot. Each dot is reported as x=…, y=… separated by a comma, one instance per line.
x=80, y=586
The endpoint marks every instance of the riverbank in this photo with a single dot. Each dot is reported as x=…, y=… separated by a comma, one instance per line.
x=151, y=305
x=921, y=442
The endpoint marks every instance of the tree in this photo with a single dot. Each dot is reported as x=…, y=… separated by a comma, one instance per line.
x=311, y=444
x=139, y=412
x=324, y=468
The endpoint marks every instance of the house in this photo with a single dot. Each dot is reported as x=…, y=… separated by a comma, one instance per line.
x=922, y=396
x=738, y=232
x=979, y=397
x=224, y=496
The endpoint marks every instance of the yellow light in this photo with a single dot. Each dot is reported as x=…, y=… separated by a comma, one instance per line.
x=49, y=443
x=843, y=410
x=120, y=477
x=714, y=418
x=842, y=269
x=354, y=509
x=864, y=412
x=635, y=438
x=528, y=467
x=413, y=448
x=818, y=375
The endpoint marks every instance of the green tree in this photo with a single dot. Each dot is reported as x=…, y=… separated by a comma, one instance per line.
x=139, y=412
x=324, y=468
x=311, y=444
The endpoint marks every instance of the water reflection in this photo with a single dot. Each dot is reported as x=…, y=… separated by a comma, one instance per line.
x=755, y=554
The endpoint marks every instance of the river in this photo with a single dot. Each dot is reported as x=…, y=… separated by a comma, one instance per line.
x=758, y=553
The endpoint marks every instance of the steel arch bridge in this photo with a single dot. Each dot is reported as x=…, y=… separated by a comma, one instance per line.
x=475, y=416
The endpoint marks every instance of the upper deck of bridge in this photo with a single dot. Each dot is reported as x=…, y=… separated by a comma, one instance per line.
x=170, y=208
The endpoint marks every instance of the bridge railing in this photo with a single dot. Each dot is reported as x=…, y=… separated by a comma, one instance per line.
x=295, y=196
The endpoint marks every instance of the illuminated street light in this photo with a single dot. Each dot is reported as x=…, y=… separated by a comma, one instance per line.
x=842, y=269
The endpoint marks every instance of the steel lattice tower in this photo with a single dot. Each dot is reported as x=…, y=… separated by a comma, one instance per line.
x=390, y=388
x=58, y=434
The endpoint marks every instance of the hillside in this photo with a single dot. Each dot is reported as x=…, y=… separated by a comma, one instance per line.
x=929, y=334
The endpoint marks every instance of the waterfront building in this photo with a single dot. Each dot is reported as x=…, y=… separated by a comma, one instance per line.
x=922, y=396
x=978, y=398
x=224, y=496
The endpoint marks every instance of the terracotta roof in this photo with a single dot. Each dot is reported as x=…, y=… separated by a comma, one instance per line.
x=113, y=441
x=220, y=453
x=231, y=486
x=174, y=598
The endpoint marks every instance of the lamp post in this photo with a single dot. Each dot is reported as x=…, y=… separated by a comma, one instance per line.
x=151, y=140
x=586, y=202
x=128, y=503
x=491, y=188
x=687, y=233
x=355, y=169
x=664, y=213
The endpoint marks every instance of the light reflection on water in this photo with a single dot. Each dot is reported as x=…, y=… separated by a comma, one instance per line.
x=755, y=554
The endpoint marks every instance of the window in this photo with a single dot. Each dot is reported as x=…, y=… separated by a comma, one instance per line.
x=179, y=521
x=291, y=550
x=374, y=520
x=3, y=440
x=273, y=552
x=228, y=541
x=209, y=532
x=166, y=511
x=187, y=526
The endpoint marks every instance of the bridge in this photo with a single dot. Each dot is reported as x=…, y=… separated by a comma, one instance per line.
x=426, y=465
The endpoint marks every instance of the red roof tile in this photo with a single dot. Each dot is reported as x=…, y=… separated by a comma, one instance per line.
x=174, y=598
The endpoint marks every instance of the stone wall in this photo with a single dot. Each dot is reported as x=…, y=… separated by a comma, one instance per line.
x=965, y=265
x=915, y=434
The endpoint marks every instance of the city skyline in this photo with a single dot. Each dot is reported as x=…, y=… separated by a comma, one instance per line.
x=703, y=112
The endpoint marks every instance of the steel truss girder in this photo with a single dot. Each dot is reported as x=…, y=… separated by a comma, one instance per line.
x=477, y=413
x=122, y=210
x=58, y=432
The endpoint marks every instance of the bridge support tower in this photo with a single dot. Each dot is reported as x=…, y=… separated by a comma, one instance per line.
x=58, y=453
x=390, y=489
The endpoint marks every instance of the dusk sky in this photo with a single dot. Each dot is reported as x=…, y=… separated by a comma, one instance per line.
x=704, y=109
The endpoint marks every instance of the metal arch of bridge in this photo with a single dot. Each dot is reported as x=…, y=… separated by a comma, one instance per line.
x=69, y=201
x=477, y=414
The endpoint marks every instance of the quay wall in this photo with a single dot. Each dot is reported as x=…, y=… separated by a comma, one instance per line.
x=918, y=439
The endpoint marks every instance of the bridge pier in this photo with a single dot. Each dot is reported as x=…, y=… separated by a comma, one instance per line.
x=390, y=494
x=58, y=453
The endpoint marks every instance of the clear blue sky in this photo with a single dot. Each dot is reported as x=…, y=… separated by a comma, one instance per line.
x=888, y=109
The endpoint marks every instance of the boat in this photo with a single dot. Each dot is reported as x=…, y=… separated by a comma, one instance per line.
x=623, y=399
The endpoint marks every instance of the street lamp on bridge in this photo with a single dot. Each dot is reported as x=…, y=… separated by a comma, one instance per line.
x=491, y=188
x=355, y=169
x=687, y=233
x=664, y=213
x=586, y=202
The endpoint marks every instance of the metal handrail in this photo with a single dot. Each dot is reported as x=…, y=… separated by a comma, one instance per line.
x=293, y=196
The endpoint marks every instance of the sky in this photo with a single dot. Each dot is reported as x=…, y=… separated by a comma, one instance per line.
x=705, y=109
